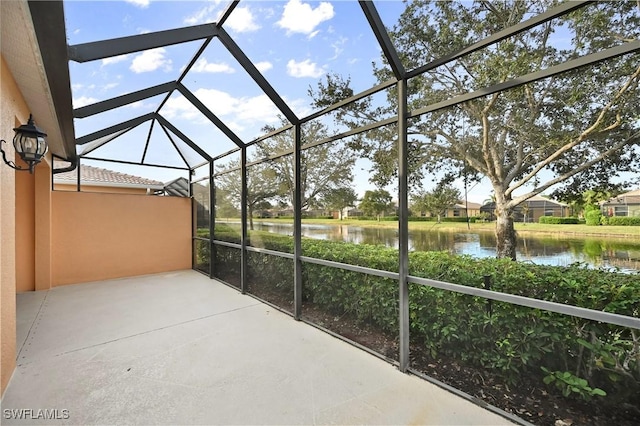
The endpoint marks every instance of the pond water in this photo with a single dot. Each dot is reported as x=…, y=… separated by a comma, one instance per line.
x=548, y=250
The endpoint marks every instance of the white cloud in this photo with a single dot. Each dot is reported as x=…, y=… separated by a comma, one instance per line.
x=300, y=17
x=140, y=105
x=203, y=66
x=82, y=101
x=110, y=86
x=305, y=68
x=151, y=60
x=143, y=4
x=81, y=86
x=258, y=108
x=264, y=66
x=299, y=105
x=179, y=107
x=237, y=113
x=241, y=20
x=114, y=59
x=208, y=13
x=338, y=47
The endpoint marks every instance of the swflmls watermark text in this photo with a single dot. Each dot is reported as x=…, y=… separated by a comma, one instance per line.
x=35, y=414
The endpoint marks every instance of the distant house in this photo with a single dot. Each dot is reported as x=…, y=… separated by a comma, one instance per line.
x=627, y=204
x=350, y=211
x=96, y=179
x=462, y=209
x=315, y=213
x=459, y=209
x=287, y=212
x=534, y=208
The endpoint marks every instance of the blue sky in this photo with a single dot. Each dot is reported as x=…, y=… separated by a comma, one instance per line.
x=294, y=44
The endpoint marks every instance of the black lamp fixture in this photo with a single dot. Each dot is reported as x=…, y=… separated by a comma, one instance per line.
x=29, y=143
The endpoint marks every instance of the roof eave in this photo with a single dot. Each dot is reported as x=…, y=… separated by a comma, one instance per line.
x=50, y=31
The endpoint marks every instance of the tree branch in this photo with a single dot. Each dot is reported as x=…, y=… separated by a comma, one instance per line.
x=632, y=139
x=488, y=149
x=583, y=136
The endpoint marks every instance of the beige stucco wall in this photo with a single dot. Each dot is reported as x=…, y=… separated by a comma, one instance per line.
x=99, y=236
x=12, y=109
x=43, y=227
x=25, y=232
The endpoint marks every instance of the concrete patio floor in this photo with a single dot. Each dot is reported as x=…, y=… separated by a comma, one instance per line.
x=179, y=348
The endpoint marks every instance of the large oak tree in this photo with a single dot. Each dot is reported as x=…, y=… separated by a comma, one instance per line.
x=322, y=167
x=571, y=132
x=271, y=177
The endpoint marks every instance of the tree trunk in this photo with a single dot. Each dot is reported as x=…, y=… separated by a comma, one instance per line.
x=505, y=233
x=250, y=214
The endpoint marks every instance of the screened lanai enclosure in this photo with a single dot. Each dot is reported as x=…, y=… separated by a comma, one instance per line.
x=528, y=96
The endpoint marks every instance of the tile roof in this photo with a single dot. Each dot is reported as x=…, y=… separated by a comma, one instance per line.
x=548, y=200
x=104, y=177
x=631, y=197
x=632, y=193
x=470, y=205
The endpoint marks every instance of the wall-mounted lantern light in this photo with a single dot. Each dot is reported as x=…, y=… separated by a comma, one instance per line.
x=29, y=143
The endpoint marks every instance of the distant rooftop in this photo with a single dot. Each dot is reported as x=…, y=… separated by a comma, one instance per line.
x=631, y=197
x=632, y=193
x=105, y=177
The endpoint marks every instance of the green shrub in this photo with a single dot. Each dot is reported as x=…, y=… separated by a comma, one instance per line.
x=454, y=219
x=422, y=219
x=553, y=220
x=203, y=254
x=624, y=221
x=569, y=384
x=381, y=218
x=511, y=340
x=592, y=217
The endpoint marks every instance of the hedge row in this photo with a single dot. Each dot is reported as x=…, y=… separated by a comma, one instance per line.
x=553, y=220
x=416, y=219
x=594, y=217
x=622, y=221
x=513, y=341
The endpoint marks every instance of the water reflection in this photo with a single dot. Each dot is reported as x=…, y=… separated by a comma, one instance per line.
x=624, y=255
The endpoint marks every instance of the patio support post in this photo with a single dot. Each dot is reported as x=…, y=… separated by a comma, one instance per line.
x=403, y=226
x=297, y=225
x=78, y=175
x=243, y=220
x=194, y=221
x=212, y=220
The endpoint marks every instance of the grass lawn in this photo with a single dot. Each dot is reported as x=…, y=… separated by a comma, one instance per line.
x=632, y=232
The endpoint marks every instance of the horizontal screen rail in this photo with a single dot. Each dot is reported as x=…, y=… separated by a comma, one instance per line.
x=560, y=308
x=227, y=244
x=354, y=268
x=271, y=252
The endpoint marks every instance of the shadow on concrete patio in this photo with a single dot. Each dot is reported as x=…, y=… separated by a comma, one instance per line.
x=179, y=348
